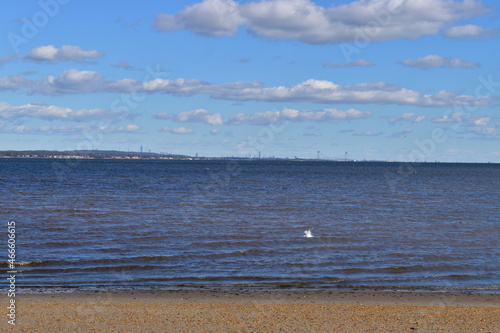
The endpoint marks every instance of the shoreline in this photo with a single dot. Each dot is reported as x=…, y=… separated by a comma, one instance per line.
x=246, y=310
x=337, y=296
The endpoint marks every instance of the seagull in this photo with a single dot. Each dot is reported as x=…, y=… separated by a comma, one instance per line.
x=308, y=233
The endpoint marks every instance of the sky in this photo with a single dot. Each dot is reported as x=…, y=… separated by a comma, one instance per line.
x=400, y=80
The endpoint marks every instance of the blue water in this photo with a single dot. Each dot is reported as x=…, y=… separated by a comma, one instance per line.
x=146, y=223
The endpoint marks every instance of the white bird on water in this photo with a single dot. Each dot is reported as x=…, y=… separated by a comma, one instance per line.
x=308, y=233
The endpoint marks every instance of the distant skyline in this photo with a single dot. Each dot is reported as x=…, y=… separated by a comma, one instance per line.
x=381, y=80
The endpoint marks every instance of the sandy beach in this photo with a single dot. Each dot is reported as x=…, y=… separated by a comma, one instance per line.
x=238, y=310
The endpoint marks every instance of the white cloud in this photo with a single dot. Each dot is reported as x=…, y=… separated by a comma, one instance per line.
x=194, y=116
x=470, y=31
x=180, y=87
x=66, y=53
x=131, y=128
x=316, y=91
x=178, y=130
x=270, y=117
x=200, y=116
x=69, y=81
x=165, y=22
x=355, y=63
x=295, y=19
x=482, y=121
x=209, y=17
x=14, y=82
x=465, y=119
x=411, y=117
x=320, y=91
x=56, y=129
x=64, y=129
x=52, y=112
x=435, y=61
x=308, y=22
x=456, y=117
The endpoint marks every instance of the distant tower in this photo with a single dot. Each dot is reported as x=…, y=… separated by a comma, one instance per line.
x=259, y=153
x=345, y=156
x=317, y=155
x=141, y=149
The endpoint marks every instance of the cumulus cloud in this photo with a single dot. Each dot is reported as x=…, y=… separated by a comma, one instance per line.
x=435, y=61
x=466, y=119
x=308, y=22
x=411, y=117
x=456, y=117
x=355, y=63
x=481, y=121
x=52, y=112
x=200, y=116
x=209, y=17
x=131, y=128
x=194, y=116
x=74, y=80
x=178, y=130
x=321, y=91
x=71, y=81
x=316, y=91
x=49, y=53
x=14, y=82
x=470, y=31
x=270, y=117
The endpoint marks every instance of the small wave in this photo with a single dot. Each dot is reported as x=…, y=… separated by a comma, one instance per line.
x=59, y=244
x=55, y=229
x=232, y=254
x=72, y=210
x=461, y=276
x=141, y=238
x=106, y=250
x=90, y=269
x=24, y=263
x=219, y=244
x=404, y=269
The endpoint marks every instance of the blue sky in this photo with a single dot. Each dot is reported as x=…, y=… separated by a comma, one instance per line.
x=385, y=79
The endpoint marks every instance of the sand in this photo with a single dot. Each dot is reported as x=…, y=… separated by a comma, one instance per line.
x=235, y=310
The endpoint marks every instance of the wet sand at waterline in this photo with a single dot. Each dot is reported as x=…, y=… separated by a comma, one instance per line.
x=237, y=310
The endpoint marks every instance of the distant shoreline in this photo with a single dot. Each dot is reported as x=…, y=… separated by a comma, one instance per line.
x=119, y=155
